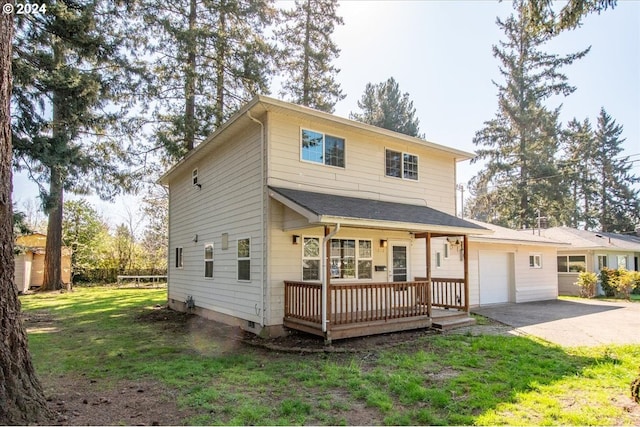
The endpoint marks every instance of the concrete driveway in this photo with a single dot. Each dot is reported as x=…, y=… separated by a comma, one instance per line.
x=571, y=322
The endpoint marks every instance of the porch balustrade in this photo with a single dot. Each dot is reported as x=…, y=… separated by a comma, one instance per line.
x=357, y=303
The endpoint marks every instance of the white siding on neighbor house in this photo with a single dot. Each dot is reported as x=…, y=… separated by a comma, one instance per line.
x=364, y=172
x=566, y=281
x=229, y=201
x=22, y=271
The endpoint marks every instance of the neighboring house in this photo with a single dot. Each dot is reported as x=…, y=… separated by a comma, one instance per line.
x=291, y=217
x=29, y=262
x=506, y=266
x=591, y=251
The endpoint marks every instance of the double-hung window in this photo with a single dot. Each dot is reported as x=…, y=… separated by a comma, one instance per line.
x=401, y=165
x=244, y=259
x=349, y=259
x=208, y=260
x=321, y=148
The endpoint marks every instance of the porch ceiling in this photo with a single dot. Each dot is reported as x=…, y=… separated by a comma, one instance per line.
x=321, y=208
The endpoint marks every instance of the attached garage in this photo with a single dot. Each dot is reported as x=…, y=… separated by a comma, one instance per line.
x=506, y=266
x=495, y=277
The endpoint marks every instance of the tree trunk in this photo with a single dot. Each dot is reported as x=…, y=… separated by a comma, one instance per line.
x=190, y=81
x=53, y=250
x=21, y=397
x=221, y=46
x=306, y=84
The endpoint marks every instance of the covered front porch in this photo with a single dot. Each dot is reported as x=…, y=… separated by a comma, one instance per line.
x=367, y=265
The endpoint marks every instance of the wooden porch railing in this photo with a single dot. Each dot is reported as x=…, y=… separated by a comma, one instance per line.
x=448, y=293
x=356, y=302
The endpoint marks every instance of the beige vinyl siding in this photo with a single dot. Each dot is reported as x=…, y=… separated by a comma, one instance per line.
x=285, y=260
x=22, y=270
x=364, y=171
x=229, y=201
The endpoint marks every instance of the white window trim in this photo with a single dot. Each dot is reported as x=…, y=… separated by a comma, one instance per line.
x=318, y=258
x=438, y=259
x=179, y=265
x=446, y=250
x=324, y=134
x=606, y=258
x=194, y=177
x=535, y=255
x=569, y=255
x=238, y=259
x=357, y=258
x=402, y=153
x=211, y=260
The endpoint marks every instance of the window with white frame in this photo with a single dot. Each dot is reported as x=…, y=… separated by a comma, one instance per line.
x=311, y=259
x=602, y=262
x=208, y=260
x=446, y=250
x=244, y=259
x=401, y=165
x=179, y=257
x=622, y=261
x=572, y=263
x=318, y=147
x=194, y=177
x=535, y=260
x=438, y=259
x=349, y=259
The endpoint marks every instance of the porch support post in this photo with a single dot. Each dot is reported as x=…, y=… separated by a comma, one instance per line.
x=465, y=246
x=327, y=275
x=428, y=262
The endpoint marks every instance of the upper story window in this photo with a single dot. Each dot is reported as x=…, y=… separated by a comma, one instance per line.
x=401, y=165
x=318, y=147
x=194, y=177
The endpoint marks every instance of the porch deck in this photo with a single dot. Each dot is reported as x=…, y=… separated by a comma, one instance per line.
x=358, y=309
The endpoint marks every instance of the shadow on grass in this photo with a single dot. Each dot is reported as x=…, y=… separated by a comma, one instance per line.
x=434, y=379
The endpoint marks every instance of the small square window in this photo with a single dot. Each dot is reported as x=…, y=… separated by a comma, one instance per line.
x=401, y=165
x=317, y=147
x=535, y=261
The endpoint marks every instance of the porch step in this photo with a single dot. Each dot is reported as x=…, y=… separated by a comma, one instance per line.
x=446, y=324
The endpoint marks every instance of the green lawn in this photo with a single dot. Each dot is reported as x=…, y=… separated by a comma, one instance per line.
x=436, y=379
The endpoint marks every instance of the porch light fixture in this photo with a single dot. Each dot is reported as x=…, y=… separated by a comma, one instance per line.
x=296, y=239
x=195, y=238
x=383, y=243
x=457, y=243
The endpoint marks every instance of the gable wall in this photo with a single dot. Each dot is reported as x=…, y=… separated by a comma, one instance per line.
x=229, y=201
x=364, y=172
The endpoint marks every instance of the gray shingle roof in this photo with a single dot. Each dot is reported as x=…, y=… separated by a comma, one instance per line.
x=367, y=209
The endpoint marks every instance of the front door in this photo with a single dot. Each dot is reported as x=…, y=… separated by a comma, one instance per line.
x=399, y=262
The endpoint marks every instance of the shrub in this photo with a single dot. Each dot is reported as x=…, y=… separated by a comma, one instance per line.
x=608, y=277
x=626, y=282
x=635, y=389
x=587, y=282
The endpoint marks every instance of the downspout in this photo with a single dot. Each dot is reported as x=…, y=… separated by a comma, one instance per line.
x=262, y=214
x=324, y=275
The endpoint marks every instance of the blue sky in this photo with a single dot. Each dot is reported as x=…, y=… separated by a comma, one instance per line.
x=440, y=53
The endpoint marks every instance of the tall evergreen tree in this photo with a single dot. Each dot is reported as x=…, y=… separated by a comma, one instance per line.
x=70, y=68
x=22, y=399
x=208, y=58
x=307, y=52
x=383, y=105
x=618, y=199
x=520, y=143
x=578, y=169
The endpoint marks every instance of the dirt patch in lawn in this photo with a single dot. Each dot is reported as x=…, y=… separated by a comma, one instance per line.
x=79, y=400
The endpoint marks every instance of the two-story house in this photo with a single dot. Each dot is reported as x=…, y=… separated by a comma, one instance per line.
x=291, y=217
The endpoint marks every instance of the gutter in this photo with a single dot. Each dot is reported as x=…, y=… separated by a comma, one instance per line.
x=324, y=275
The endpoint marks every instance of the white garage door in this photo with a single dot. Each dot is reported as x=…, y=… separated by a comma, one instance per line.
x=495, y=277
